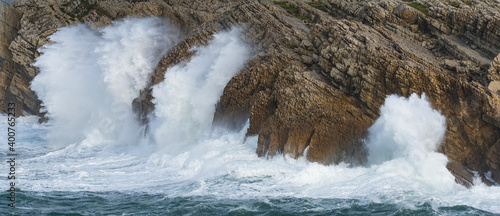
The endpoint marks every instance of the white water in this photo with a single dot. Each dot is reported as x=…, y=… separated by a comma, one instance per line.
x=405, y=138
x=89, y=78
x=187, y=157
x=185, y=100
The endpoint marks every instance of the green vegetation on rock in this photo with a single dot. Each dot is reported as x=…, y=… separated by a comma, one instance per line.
x=292, y=10
x=454, y=4
x=318, y=5
x=419, y=7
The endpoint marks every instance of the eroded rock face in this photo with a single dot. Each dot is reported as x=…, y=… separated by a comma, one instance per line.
x=494, y=75
x=14, y=77
x=328, y=101
x=320, y=74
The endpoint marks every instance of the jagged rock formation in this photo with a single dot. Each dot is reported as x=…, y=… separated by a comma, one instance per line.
x=321, y=69
x=494, y=75
x=14, y=78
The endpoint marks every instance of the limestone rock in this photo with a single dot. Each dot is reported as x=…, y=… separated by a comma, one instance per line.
x=320, y=72
x=494, y=75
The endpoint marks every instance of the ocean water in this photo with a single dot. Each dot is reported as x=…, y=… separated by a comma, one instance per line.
x=92, y=158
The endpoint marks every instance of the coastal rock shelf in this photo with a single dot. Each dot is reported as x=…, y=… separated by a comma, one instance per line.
x=320, y=70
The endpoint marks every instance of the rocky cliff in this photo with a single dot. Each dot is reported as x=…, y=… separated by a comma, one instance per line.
x=321, y=69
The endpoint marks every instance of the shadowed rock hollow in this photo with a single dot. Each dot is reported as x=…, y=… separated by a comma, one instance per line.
x=320, y=71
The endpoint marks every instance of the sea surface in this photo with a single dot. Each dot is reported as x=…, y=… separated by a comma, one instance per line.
x=222, y=176
x=93, y=158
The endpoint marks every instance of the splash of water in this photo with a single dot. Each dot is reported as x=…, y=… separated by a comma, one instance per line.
x=185, y=100
x=89, y=77
x=405, y=138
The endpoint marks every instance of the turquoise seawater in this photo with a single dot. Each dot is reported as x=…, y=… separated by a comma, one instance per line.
x=119, y=203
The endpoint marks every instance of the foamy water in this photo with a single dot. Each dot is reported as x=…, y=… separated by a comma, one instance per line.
x=92, y=144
